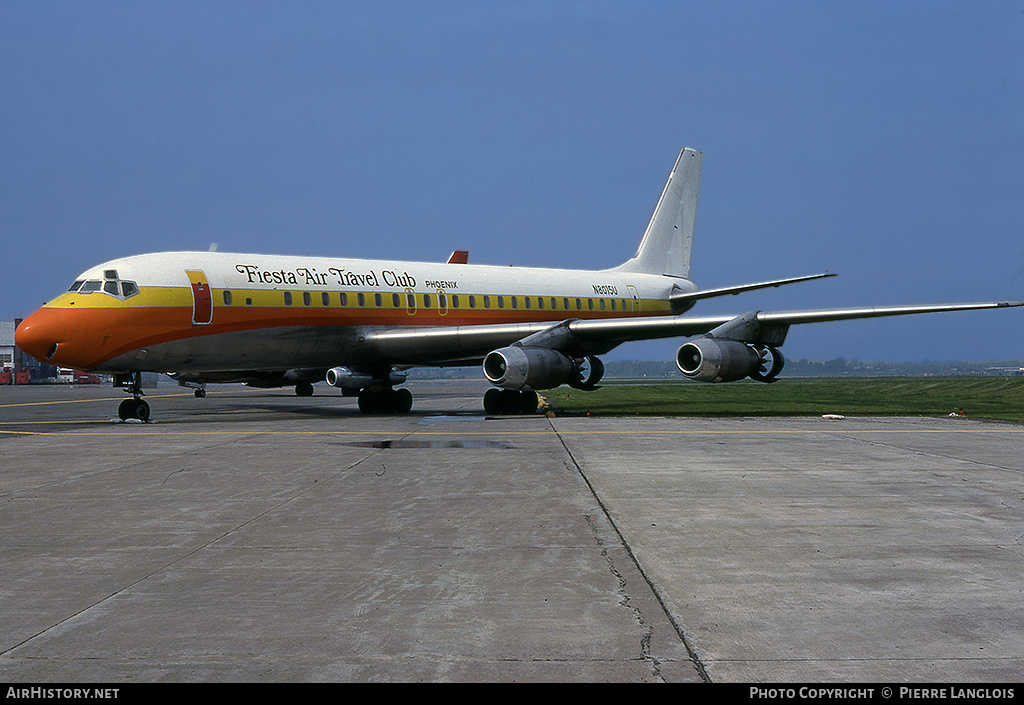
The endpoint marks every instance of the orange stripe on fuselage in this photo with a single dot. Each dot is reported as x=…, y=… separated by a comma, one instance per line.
x=100, y=327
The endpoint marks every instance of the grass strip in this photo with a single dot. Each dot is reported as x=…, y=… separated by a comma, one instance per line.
x=997, y=398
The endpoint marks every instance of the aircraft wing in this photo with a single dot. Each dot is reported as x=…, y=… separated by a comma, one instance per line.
x=673, y=326
x=464, y=344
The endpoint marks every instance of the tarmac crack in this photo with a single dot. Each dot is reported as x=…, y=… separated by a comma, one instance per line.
x=645, y=645
x=624, y=600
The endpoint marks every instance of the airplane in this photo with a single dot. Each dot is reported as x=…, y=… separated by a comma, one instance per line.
x=359, y=325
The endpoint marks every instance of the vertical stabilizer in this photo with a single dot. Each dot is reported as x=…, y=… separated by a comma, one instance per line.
x=668, y=241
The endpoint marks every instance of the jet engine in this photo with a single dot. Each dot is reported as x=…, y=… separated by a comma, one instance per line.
x=351, y=381
x=518, y=367
x=589, y=371
x=717, y=360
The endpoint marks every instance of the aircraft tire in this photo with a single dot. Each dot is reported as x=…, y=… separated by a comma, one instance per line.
x=385, y=401
x=510, y=401
x=367, y=401
x=402, y=401
x=528, y=402
x=304, y=389
x=492, y=401
x=126, y=409
x=133, y=409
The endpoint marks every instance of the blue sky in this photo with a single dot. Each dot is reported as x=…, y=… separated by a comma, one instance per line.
x=880, y=140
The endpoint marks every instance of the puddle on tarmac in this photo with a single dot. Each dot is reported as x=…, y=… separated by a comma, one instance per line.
x=428, y=444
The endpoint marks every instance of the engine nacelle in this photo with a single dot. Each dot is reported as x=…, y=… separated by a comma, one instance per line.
x=517, y=367
x=717, y=360
x=589, y=371
x=349, y=381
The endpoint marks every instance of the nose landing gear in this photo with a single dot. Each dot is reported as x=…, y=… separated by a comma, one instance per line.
x=135, y=408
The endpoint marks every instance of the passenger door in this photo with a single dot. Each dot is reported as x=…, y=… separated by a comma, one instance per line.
x=202, y=298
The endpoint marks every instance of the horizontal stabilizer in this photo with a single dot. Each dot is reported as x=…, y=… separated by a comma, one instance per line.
x=686, y=297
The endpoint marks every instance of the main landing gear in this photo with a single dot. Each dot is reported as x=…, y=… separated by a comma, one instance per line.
x=384, y=400
x=135, y=408
x=510, y=401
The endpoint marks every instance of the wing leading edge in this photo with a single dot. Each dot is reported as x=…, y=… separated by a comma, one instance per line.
x=596, y=337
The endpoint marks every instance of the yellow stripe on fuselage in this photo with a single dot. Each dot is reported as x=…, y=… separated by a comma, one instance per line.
x=505, y=306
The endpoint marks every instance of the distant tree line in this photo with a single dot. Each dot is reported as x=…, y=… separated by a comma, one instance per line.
x=839, y=367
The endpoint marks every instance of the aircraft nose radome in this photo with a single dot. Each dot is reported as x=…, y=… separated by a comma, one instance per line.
x=41, y=333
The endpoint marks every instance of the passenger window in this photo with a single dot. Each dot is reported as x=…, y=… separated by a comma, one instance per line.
x=377, y=300
x=501, y=302
x=487, y=301
x=554, y=303
x=307, y=299
x=455, y=300
x=344, y=299
x=590, y=304
x=472, y=301
x=287, y=298
x=565, y=304
x=426, y=301
x=442, y=301
x=515, y=302
x=227, y=295
x=361, y=299
x=396, y=301
x=579, y=305
x=325, y=298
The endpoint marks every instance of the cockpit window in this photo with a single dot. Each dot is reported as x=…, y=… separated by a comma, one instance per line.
x=114, y=287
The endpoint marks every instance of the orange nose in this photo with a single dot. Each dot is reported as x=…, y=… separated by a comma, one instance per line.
x=41, y=334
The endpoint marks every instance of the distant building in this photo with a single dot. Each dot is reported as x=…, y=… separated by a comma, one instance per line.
x=7, y=350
